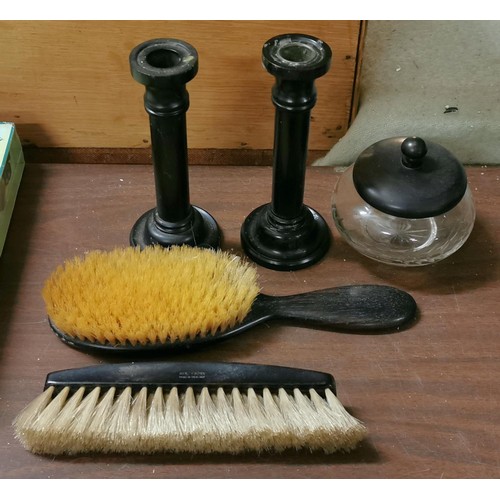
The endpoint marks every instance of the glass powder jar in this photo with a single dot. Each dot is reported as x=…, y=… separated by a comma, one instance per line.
x=404, y=201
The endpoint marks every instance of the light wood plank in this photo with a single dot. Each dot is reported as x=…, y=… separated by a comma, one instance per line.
x=67, y=84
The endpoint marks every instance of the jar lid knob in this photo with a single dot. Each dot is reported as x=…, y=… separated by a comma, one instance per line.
x=414, y=150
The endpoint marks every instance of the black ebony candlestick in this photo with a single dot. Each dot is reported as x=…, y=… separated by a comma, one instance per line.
x=164, y=66
x=286, y=234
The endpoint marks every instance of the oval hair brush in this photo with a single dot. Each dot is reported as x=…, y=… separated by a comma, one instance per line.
x=157, y=299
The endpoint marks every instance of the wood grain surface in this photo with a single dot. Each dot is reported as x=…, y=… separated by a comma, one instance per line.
x=429, y=395
x=67, y=84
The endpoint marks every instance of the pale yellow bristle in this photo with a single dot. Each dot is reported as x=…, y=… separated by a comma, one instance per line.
x=150, y=296
x=172, y=421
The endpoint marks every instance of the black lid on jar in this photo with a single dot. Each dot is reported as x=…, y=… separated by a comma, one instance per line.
x=409, y=177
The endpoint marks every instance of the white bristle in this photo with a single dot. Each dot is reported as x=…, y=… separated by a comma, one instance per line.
x=155, y=421
x=31, y=412
x=84, y=414
x=55, y=430
x=210, y=421
x=138, y=419
x=227, y=422
x=192, y=426
x=118, y=427
x=299, y=417
x=283, y=437
x=110, y=421
x=173, y=430
x=94, y=437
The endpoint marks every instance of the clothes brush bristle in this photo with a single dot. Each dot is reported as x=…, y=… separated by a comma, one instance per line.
x=153, y=295
x=174, y=421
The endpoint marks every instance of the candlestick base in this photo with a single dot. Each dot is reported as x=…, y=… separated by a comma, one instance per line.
x=285, y=244
x=199, y=229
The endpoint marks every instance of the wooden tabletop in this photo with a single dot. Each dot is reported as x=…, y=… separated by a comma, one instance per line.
x=429, y=395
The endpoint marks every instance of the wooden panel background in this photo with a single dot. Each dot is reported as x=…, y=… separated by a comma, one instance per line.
x=67, y=84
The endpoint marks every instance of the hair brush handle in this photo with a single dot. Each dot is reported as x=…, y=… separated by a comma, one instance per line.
x=353, y=307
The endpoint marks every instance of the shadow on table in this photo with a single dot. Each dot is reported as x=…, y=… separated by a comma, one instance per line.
x=16, y=247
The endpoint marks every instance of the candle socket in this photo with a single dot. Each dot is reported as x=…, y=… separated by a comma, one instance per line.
x=286, y=234
x=164, y=66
